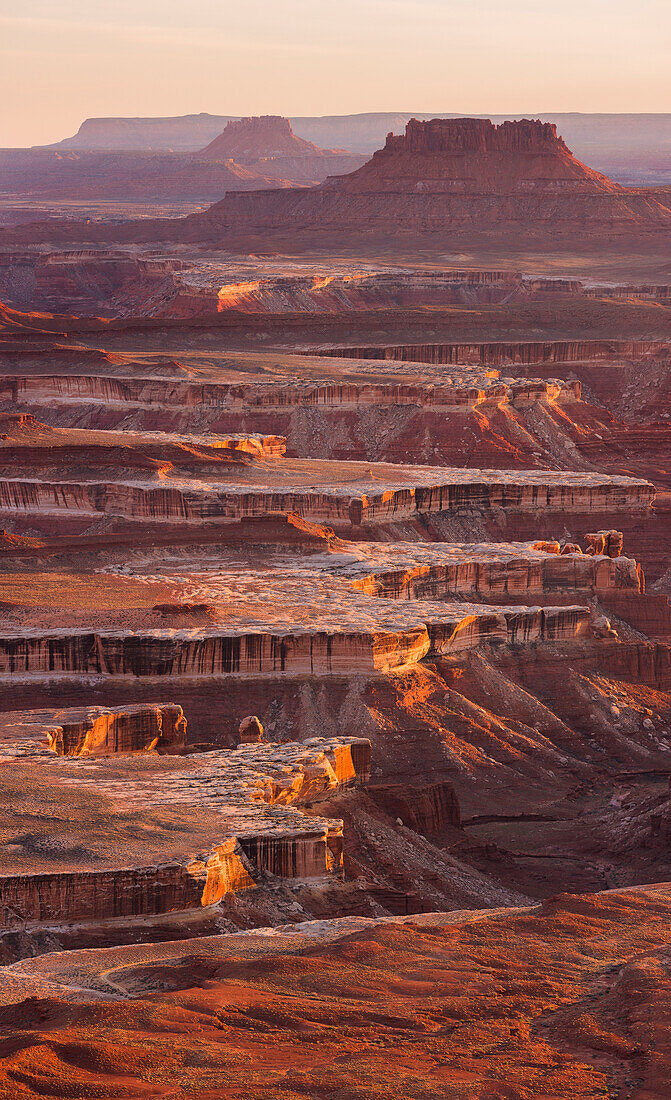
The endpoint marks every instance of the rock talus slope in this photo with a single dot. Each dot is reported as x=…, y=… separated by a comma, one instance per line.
x=454, y=176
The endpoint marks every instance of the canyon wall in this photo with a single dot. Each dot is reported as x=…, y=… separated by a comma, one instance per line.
x=253, y=792
x=457, y=491
x=205, y=653
x=499, y=353
x=99, y=731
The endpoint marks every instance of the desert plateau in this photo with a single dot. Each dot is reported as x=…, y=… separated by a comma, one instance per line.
x=335, y=565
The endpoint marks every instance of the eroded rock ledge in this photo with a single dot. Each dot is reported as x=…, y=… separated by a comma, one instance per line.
x=370, y=606
x=202, y=653
x=372, y=492
x=213, y=823
x=93, y=731
x=497, y=353
x=464, y=388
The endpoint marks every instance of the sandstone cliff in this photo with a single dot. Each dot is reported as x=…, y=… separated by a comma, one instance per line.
x=450, y=176
x=442, y=178
x=99, y=731
x=215, y=824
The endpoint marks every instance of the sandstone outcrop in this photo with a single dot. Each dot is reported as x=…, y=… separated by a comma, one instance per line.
x=93, y=731
x=219, y=821
x=397, y=641
x=442, y=565
x=251, y=730
x=438, y=414
x=373, y=495
x=428, y=810
x=248, y=140
x=442, y=178
x=628, y=141
x=373, y=606
x=451, y=176
x=462, y=388
x=608, y=543
x=324, y=292
x=489, y=571
x=420, y=560
x=26, y=442
x=498, y=353
x=132, y=284
x=100, y=732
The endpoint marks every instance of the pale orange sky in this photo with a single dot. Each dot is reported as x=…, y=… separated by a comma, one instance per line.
x=64, y=60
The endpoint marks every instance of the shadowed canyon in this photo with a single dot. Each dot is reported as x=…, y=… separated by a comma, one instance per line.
x=335, y=652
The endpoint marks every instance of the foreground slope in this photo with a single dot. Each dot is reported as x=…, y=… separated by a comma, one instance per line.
x=566, y=999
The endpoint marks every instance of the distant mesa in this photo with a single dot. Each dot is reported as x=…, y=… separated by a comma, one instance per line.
x=474, y=155
x=442, y=179
x=450, y=176
x=249, y=140
x=250, y=153
x=179, y=134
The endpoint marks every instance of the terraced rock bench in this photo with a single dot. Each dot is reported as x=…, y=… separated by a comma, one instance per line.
x=352, y=493
x=403, y=635
x=442, y=570
x=497, y=353
x=332, y=606
x=463, y=388
x=213, y=823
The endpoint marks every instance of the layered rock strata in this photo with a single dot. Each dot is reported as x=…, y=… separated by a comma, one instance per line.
x=101, y=732
x=438, y=570
x=372, y=493
x=496, y=353
x=26, y=442
x=205, y=653
x=327, y=292
x=375, y=606
x=248, y=140
x=460, y=389
x=451, y=175
x=231, y=818
x=93, y=731
x=442, y=177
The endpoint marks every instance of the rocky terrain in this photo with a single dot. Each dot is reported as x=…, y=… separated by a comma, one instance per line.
x=249, y=153
x=452, y=176
x=442, y=181
x=335, y=652
x=632, y=148
x=566, y=998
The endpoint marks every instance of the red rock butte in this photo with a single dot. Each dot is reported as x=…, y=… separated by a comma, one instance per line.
x=482, y=155
x=451, y=176
x=462, y=179
x=248, y=140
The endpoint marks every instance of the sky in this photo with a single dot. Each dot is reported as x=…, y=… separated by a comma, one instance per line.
x=65, y=60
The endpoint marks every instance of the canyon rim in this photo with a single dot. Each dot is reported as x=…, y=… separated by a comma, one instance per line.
x=335, y=558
